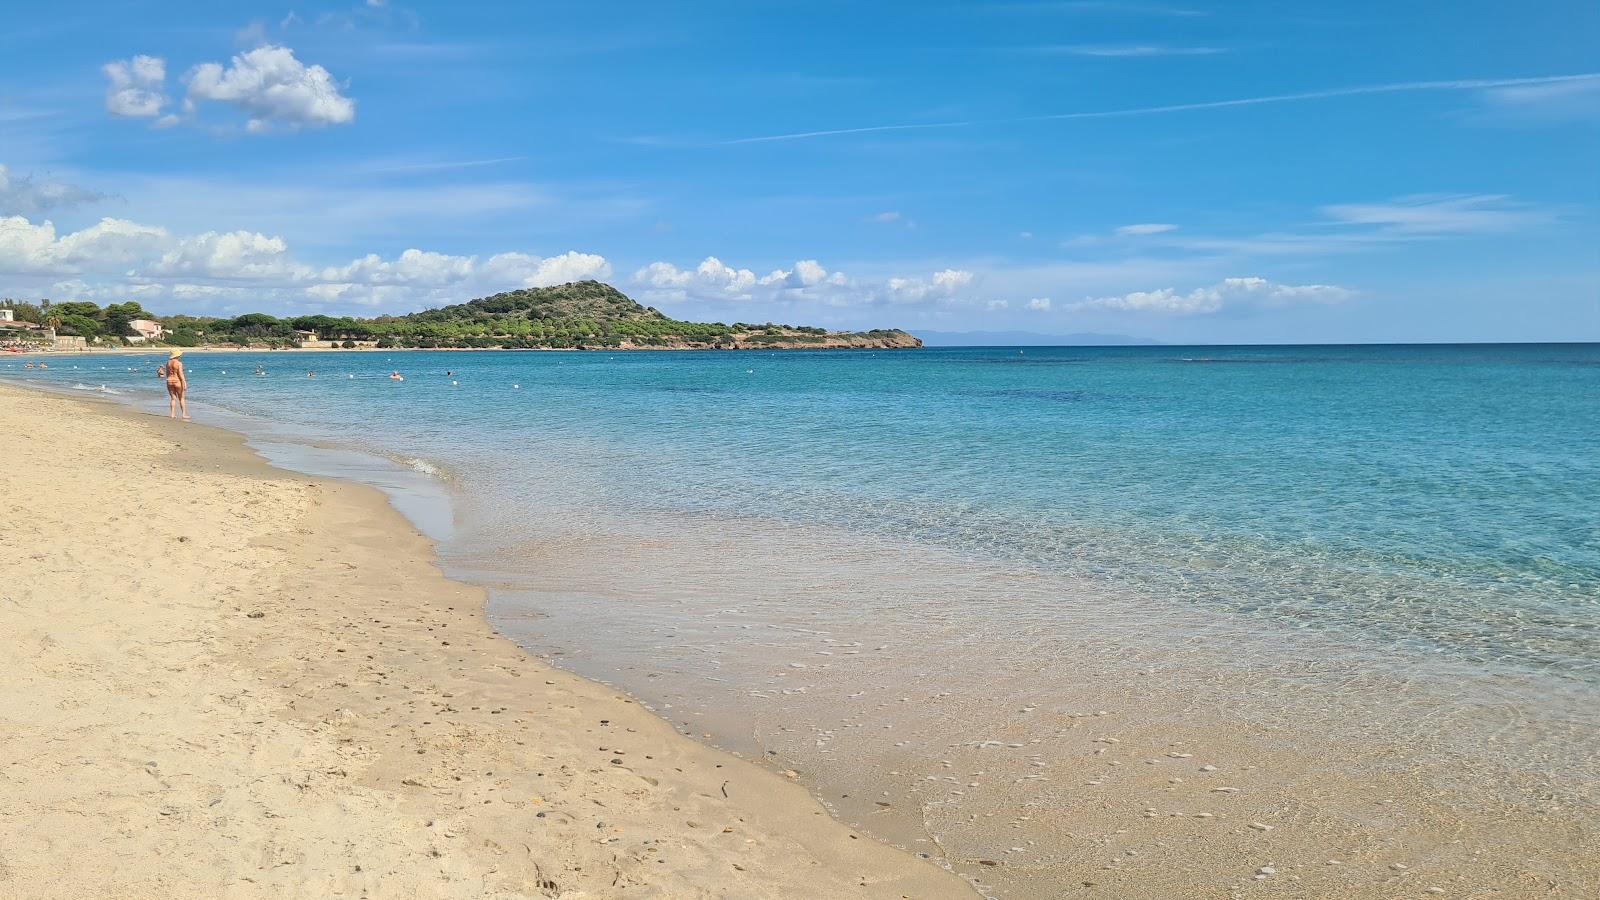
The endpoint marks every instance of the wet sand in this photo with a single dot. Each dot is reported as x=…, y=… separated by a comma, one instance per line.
x=1157, y=754
x=228, y=680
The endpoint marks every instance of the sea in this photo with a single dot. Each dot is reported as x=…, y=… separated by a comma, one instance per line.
x=950, y=590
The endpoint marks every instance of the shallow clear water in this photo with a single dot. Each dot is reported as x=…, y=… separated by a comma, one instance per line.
x=1394, y=519
x=1441, y=497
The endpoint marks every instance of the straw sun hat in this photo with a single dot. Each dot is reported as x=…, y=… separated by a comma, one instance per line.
x=174, y=354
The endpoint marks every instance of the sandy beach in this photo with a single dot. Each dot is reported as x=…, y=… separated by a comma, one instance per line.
x=225, y=680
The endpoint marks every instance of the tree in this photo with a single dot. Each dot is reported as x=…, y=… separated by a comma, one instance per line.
x=80, y=325
x=27, y=312
x=117, y=316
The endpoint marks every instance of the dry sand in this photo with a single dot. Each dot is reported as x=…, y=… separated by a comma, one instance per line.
x=224, y=680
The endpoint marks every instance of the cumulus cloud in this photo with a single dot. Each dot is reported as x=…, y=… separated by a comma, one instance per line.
x=713, y=279
x=524, y=270
x=233, y=256
x=23, y=194
x=274, y=88
x=806, y=281
x=1228, y=293
x=943, y=285
x=109, y=244
x=1039, y=304
x=120, y=258
x=1145, y=228
x=134, y=87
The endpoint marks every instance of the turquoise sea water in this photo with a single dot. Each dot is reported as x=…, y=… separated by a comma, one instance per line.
x=1440, y=500
x=888, y=567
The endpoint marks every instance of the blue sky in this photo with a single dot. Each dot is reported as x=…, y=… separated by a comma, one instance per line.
x=1195, y=172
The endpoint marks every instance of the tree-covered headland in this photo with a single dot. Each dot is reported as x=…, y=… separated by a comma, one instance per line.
x=580, y=315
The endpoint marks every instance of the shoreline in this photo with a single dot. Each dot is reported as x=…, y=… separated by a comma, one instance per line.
x=275, y=710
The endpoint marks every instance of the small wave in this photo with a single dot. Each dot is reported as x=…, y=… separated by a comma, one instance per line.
x=418, y=464
x=98, y=389
x=423, y=466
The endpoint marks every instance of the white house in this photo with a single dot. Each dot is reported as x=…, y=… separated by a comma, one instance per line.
x=5, y=315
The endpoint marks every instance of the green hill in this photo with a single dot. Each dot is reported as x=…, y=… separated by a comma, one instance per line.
x=580, y=315
x=579, y=300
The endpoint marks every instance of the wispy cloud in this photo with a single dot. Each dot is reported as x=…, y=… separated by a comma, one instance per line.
x=441, y=166
x=1111, y=51
x=1466, y=84
x=1145, y=228
x=1353, y=227
x=1533, y=103
x=1095, y=7
x=27, y=195
x=1424, y=214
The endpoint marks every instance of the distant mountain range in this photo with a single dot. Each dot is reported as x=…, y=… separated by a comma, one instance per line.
x=1028, y=339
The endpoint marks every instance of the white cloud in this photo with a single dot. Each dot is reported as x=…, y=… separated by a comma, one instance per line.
x=1230, y=292
x=807, y=281
x=134, y=89
x=714, y=279
x=944, y=285
x=273, y=88
x=1145, y=228
x=233, y=255
x=1039, y=304
x=26, y=248
x=884, y=217
x=1423, y=214
x=26, y=194
x=524, y=270
x=997, y=304
x=118, y=258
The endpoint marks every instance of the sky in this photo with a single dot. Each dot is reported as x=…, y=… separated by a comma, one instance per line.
x=1233, y=172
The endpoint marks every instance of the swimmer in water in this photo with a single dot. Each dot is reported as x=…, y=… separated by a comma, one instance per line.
x=311, y=374
x=395, y=376
x=260, y=371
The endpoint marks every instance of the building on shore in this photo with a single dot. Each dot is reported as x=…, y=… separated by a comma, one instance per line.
x=146, y=330
x=14, y=334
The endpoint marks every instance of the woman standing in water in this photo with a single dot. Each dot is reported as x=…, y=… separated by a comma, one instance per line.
x=177, y=385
